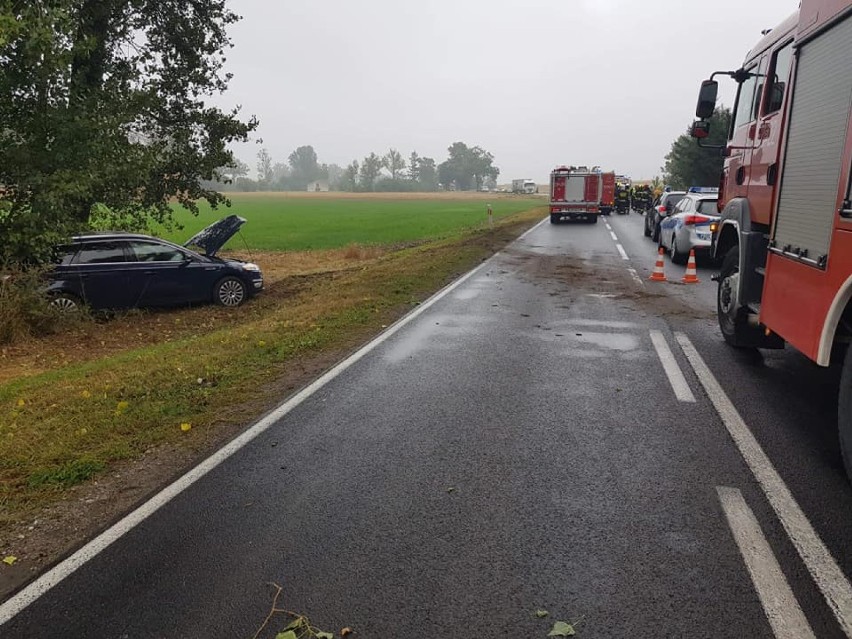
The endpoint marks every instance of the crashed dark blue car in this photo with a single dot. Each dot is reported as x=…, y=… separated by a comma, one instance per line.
x=126, y=270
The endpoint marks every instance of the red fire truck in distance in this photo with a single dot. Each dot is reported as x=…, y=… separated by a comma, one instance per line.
x=785, y=236
x=580, y=193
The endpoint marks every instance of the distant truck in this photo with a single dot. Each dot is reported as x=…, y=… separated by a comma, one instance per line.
x=524, y=186
x=575, y=194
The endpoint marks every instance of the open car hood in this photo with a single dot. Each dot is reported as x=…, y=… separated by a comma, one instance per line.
x=212, y=238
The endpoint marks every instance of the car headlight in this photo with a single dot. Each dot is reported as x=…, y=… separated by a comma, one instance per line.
x=248, y=266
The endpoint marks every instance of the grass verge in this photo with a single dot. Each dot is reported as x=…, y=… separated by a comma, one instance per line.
x=65, y=426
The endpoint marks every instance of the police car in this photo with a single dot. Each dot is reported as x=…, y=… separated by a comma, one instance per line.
x=690, y=224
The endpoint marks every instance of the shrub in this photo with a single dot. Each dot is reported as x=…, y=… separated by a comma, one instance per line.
x=24, y=305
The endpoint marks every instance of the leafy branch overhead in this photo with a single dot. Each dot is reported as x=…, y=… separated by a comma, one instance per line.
x=106, y=102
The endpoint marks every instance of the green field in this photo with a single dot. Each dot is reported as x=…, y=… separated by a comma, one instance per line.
x=295, y=222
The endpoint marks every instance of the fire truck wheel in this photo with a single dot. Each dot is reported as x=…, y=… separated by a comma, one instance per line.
x=554, y=219
x=844, y=413
x=594, y=219
x=733, y=319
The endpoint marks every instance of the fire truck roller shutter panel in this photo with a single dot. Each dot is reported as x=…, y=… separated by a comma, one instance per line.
x=820, y=111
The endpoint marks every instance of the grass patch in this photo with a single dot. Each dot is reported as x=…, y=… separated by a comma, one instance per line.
x=63, y=426
x=69, y=474
x=285, y=222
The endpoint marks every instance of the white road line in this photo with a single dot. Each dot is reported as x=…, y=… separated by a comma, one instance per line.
x=779, y=603
x=65, y=568
x=676, y=379
x=636, y=277
x=622, y=251
x=823, y=568
x=613, y=236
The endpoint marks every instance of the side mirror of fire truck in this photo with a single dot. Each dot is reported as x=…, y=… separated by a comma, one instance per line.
x=707, y=99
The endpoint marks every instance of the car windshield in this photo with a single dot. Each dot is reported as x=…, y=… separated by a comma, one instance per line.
x=707, y=206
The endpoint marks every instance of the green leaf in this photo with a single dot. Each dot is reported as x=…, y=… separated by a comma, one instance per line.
x=297, y=623
x=541, y=614
x=289, y=634
x=562, y=629
x=324, y=635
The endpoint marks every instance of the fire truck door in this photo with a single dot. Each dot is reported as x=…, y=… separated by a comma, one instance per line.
x=743, y=133
x=765, y=161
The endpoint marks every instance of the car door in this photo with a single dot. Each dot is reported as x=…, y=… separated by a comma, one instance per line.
x=669, y=224
x=684, y=207
x=167, y=274
x=101, y=268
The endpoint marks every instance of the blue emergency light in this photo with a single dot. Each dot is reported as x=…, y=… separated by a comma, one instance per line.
x=703, y=189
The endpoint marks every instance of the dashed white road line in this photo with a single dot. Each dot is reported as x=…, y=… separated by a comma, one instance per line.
x=826, y=573
x=782, y=609
x=622, y=251
x=670, y=366
x=636, y=277
x=613, y=236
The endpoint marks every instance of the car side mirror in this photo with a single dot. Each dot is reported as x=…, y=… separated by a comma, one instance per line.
x=707, y=99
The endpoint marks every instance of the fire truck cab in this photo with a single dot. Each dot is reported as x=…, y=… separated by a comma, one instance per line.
x=785, y=234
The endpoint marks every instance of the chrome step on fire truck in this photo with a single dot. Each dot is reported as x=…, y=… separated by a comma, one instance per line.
x=785, y=235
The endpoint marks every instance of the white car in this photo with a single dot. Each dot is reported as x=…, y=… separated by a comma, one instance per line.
x=689, y=226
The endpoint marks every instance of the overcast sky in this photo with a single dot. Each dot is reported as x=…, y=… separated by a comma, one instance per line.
x=535, y=82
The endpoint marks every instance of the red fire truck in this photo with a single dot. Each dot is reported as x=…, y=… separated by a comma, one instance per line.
x=785, y=236
x=575, y=193
x=607, y=192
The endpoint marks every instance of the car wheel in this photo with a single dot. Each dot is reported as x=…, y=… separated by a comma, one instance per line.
x=229, y=291
x=65, y=303
x=677, y=258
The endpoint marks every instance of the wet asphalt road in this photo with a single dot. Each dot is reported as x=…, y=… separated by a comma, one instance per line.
x=516, y=446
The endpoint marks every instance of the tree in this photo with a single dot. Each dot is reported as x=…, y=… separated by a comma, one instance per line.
x=265, y=169
x=350, y=177
x=105, y=105
x=336, y=176
x=428, y=174
x=467, y=167
x=303, y=161
x=687, y=164
x=371, y=168
x=394, y=163
x=414, y=167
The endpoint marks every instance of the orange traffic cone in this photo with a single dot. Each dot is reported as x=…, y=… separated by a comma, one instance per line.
x=691, y=276
x=659, y=275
